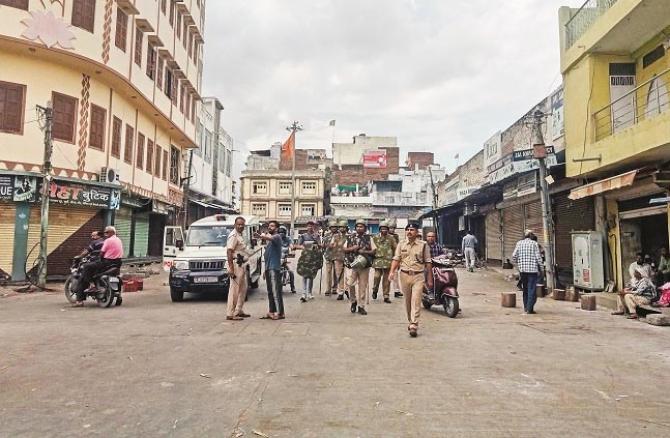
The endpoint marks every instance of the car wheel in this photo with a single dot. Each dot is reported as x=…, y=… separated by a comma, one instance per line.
x=176, y=295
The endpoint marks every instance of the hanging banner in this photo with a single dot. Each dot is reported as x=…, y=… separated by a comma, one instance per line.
x=374, y=160
x=19, y=188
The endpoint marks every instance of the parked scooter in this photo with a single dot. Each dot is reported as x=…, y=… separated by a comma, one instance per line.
x=107, y=284
x=287, y=276
x=445, y=287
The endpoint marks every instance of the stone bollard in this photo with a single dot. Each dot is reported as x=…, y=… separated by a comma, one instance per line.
x=541, y=290
x=588, y=302
x=572, y=295
x=508, y=299
x=658, y=319
x=558, y=294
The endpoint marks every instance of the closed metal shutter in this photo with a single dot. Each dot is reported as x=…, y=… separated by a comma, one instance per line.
x=512, y=229
x=7, y=220
x=578, y=215
x=122, y=223
x=141, y=242
x=533, y=220
x=493, y=236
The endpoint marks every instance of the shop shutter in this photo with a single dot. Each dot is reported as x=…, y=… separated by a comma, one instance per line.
x=578, y=215
x=493, y=236
x=533, y=220
x=141, y=242
x=122, y=222
x=512, y=229
x=7, y=219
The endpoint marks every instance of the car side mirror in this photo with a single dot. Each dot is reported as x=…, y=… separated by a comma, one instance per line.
x=179, y=244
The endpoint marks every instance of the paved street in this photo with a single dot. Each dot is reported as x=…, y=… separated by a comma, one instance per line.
x=154, y=368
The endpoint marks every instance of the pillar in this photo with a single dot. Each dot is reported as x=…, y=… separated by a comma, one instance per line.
x=20, y=253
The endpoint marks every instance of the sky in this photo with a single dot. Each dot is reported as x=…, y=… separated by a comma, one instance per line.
x=441, y=75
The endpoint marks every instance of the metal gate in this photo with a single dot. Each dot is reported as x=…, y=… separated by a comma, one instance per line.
x=7, y=220
x=512, y=226
x=493, y=236
x=533, y=220
x=141, y=242
x=122, y=223
x=577, y=215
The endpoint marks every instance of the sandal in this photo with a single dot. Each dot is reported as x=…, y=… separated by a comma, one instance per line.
x=632, y=316
x=268, y=316
x=234, y=318
x=281, y=317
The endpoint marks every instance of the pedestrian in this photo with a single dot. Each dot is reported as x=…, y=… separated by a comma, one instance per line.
x=238, y=256
x=395, y=283
x=273, y=271
x=310, y=261
x=340, y=269
x=412, y=259
x=528, y=260
x=384, y=247
x=436, y=249
x=468, y=246
x=359, y=255
x=328, y=248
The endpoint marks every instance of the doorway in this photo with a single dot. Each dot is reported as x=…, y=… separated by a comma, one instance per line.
x=644, y=231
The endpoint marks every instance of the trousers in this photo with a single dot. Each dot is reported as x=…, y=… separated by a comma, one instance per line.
x=529, y=284
x=412, y=287
x=358, y=286
x=629, y=303
x=275, y=294
x=90, y=270
x=470, y=257
x=237, y=291
x=382, y=276
x=334, y=270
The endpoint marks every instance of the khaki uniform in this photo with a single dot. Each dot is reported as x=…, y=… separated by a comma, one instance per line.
x=334, y=262
x=237, y=292
x=395, y=284
x=412, y=257
x=384, y=250
x=358, y=279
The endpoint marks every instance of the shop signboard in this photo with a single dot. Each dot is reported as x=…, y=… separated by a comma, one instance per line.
x=464, y=192
x=493, y=149
x=67, y=193
x=501, y=170
x=19, y=188
x=527, y=154
x=527, y=184
x=557, y=115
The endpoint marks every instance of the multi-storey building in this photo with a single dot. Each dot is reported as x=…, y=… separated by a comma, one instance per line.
x=123, y=79
x=210, y=165
x=616, y=69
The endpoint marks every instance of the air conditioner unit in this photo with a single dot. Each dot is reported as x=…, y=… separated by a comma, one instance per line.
x=109, y=176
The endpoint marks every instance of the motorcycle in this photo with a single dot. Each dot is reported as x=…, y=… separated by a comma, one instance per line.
x=445, y=287
x=287, y=276
x=107, y=284
x=456, y=258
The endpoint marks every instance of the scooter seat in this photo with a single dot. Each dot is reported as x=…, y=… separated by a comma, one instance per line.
x=113, y=271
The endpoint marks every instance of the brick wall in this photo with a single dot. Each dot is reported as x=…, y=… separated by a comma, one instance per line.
x=356, y=174
x=423, y=159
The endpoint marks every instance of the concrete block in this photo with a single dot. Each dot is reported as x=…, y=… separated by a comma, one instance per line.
x=658, y=319
x=541, y=290
x=558, y=294
x=508, y=299
x=588, y=302
x=572, y=295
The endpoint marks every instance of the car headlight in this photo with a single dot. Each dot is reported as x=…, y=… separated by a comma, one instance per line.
x=181, y=264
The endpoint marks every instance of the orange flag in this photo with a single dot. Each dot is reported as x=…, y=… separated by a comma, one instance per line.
x=288, y=150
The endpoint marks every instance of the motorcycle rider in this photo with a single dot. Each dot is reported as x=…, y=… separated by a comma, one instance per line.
x=384, y=246
x=95, y=245
x=111, y=254
x=286, y=247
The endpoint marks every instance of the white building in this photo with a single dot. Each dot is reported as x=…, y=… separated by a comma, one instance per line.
x=350, y=154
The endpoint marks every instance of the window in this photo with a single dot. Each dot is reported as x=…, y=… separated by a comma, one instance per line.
x=229, y=162
x=157, y=162
x=140, y=151
x=169, y=82
x=64, y=117
x=259, y=188
x=183, y=42
x=151, y=61
x=181, y=98
x=284, y=187
x=259, y=210
x=309, y=187
x=83, y=14
x=96, y=138
x=173, y=90
x=174, y=165
x=308, y=210
x=178, y=26
x=20, y=4
x=187, y=106
x=190, y=45
x=165, y=160
x=172, y=10
x=121, y=29
x=159, y=73
x=198, y=138
x=163, y=6
x=284, y=209
x=150, y=155
x=12, y=102
x=116, y=137
x=208, y=145
x=139, y=35
x=128, y=152
x=222, y=158
x=193, y=103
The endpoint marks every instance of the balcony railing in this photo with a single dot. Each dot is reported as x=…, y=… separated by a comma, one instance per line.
x=584, y=19
x=645, y=102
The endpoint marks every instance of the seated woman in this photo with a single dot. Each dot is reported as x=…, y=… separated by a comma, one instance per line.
x=640, y=293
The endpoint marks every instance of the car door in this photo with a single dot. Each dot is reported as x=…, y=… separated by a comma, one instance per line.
x=171, y=236
x=256, y=250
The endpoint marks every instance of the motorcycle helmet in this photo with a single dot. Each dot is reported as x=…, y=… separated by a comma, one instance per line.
x=360, y=262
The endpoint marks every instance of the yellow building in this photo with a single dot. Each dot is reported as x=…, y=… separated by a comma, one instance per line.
x=616, y=69
x=123, y=78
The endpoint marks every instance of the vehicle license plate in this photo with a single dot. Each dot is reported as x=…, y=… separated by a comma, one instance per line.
x=205, y=279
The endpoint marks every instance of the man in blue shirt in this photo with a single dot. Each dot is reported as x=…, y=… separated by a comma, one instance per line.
x=273, y=271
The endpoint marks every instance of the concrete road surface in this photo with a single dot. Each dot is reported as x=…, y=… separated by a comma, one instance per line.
x=156, y=368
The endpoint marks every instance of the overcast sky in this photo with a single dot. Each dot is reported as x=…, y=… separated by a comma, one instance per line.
x=441, y=75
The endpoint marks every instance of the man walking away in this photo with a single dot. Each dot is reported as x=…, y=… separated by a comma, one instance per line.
x=238, y=255
x=359, y=257
x=412, y=258
x=328, y=246
x=468, y=248
x=273, y=271
x=395, y=283
x=528, y=260
x=384, y=246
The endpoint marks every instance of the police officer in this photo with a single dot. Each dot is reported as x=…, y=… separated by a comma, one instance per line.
x=338, y=257
x=395, y=284
x=412, y=259
x=328, y=253
x=384, y=246
x=238, y=255
x=359, y=255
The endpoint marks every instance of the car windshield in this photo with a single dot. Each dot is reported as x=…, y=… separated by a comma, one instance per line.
x=207, y=236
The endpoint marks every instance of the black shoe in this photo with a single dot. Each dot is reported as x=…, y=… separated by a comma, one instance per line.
x=362, y=311
x=398, y=295
x=119, y=300
x=353, y=307
x=340, y=297
x=303, y=299
x=346, y=292
x=374, y=295
x=293, y=292
x=531, y=312
x=387, y=300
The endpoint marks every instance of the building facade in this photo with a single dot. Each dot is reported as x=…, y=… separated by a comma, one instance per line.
x=616, y=71
x=123, y=79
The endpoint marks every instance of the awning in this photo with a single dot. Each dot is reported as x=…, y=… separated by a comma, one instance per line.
x=195, y=201
x=604, y=185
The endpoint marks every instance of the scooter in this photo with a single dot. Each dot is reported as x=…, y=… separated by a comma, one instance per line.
x=107, y=284
x=445, y=287
x=287, y=276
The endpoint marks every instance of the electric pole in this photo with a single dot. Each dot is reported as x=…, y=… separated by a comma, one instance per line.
x=186, y=181
x=47, y=113
x=540, y=153
x=295, y=127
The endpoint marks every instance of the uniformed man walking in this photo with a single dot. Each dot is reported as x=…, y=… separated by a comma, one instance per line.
x=384, y=246
x=329, y=265
x=238, y=254
x=395, y=284
x=338, y=255
x=412, y=259
x=359, y=255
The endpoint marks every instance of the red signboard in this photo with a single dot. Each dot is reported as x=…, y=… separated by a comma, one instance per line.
x=374, y=160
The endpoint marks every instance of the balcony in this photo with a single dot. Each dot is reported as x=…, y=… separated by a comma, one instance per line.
x=590, y=11
x=644, y=103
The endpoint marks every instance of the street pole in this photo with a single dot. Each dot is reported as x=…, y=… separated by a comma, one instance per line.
x=295, y=127
x=187, y=187
x=46, y=181
x=434, y=204
x=540, y=153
